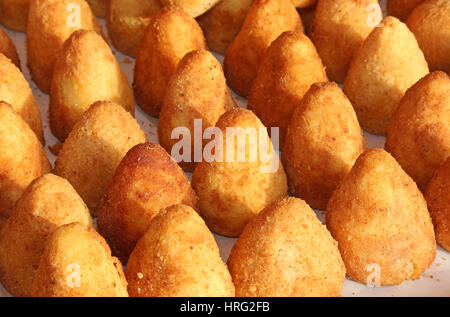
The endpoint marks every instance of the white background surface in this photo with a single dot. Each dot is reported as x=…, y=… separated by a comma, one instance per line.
x=434, y=282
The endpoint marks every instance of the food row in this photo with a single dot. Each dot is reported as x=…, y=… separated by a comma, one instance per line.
x=385, y=209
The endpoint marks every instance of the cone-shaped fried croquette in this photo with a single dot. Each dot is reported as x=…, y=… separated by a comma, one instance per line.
x=93, y=150
x=381, y=223
x=146, y=181
x=48, y=203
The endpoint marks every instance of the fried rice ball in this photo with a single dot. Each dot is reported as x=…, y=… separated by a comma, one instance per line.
x=14, y=14
x=99, y=7
x=401, y=9
x=265, y=21
x=178, y=257
x=437, y=196
x=93, y=150
x=381, y=223
x=196, y=91
x=387, y=64
x=289, y=67
x=223, y=22
x=77, y=262
x=303, y=3
x=85, y=71
x=419, y=132
x=22, y=159
x=48, y=203
x=171, y=34
x=324, y=140
x=50, y=23
x=286, y=251
x=127, y=21
x=339, y=29
x=430, y=23
x=235, y=186
x=15, y=90
x=8, y=49
x=146, y=181
x=192, y=7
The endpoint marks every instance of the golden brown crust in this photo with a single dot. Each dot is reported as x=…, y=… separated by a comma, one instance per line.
x=22, y=158
x=430, y=23
x=224, y=205
x=192, y=7
x=99, y=7
x=94, y=149
x=50, y=23
x=387, y=64
x=127, y=21
x=419, y=132
x=245, y=53
x=49, y=202
x=381, y=222
x=286, y=251
x=178, y=256
x=8, y=49
x=77, y=262
x=14, y=14
x=171, y=34
x=15, y=90
x=146, y=181
x=324, y=140
x=289, y=67
x=338, y=31
x=85, y=71
x=223, y=22
x=197, y=90
x=401, y=8
x=437, y=196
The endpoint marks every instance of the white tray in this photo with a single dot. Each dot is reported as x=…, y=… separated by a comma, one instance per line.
x=434, y=282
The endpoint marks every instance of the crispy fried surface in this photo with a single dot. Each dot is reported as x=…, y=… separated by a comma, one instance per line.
x=197, y=90
x=171, y=34
x=127, y=22
x=146, y=181
x=50, y=23
x=286, y=251
x=77, y=262
x=94, y=149
x=178, y=256
x=15, y=90
x=14, y=14
x=419, y=132
x=192, y=7
x=22, y=158
x=265, y=21
x=387, y=64
x=338, y=31
x=401, y=8
x=289, y=67
x=224, y=205
x=85, y=71
x=324, y=140
x=430, y=23
x=8, y=49
x=379, y=217
x=437, y=196
x=48, y=203
x=223, y=22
